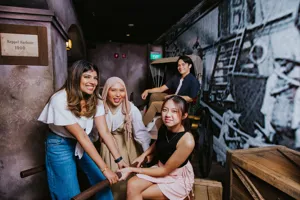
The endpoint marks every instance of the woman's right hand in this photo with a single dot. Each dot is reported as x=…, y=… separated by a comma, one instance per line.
x=111, y=176
x=145, y=94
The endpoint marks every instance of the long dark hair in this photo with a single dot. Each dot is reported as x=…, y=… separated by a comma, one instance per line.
x=74, y=93
x=183, y=108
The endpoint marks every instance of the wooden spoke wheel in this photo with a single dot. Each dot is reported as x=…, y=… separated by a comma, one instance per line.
x=205, y=142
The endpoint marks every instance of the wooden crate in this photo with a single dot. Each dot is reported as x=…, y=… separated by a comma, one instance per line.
x=264, y=173
x=207, y=190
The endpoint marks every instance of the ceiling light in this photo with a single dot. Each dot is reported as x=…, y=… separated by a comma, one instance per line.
x=127, y=34
x=131, y=25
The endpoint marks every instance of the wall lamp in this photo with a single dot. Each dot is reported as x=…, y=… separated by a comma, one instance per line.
x=69, y=44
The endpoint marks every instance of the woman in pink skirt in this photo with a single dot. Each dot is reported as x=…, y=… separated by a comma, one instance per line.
x=172, y=177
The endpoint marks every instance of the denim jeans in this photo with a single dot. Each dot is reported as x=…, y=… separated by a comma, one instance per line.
x=61, y=166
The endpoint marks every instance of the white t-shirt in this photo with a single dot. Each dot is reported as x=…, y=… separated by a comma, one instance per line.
x=57, y=115
x=140, y=133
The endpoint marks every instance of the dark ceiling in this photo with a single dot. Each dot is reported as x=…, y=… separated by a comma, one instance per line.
x=104, y=21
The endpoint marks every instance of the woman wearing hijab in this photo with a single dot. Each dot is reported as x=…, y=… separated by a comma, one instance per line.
x=125, y=123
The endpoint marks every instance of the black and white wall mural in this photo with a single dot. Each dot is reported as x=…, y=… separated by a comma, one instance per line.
x=251, y=56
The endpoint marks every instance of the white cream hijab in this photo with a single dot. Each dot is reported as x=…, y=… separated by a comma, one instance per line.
x=124, y=115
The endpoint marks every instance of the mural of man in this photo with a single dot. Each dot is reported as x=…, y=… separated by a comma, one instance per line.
x=281, y=103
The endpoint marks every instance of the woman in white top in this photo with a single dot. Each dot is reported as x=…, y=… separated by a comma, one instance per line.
x=70, y=114
x=126, y=126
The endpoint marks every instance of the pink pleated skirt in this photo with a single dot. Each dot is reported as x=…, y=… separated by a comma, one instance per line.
x=175, y=186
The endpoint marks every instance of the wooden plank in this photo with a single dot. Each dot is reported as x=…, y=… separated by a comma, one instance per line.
x=276, y=162
x=296, y=158
x=239, y=194
x=214, y=193
x=283, y=153
x=290, y=164
x=272, y=177
x=248, y=184
x=238, y=190
x=207, y=183
x=200, y=192
x=255, y=150
x=268, y=191
x=266, y=163
x=207, y=189
x=274, y=174
x=283, y=148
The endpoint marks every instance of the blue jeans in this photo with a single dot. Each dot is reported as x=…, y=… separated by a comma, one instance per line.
x=61, y=166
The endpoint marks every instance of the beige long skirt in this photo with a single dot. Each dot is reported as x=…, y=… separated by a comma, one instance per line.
x=129, y=150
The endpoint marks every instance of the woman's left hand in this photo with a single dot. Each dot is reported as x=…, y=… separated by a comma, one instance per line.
x=122, y=164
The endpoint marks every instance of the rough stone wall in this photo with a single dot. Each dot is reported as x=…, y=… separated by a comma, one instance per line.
x=24, y=91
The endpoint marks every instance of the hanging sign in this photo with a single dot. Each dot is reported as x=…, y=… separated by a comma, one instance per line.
x=155, y=55
x=25, y=45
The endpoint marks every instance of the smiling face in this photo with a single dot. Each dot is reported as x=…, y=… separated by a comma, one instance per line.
x=172, y=115
x=183, y=67
x=116, y=94
x=88, y=82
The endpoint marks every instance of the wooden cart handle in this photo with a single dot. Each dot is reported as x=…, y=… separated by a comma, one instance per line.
x=32, y=171
x=98, y=187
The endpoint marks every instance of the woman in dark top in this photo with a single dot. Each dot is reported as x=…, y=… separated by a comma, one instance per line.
x=173, y=176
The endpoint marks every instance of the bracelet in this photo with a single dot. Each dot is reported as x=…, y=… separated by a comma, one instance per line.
x=118, y=159
x=105, y=168
x=141, y=170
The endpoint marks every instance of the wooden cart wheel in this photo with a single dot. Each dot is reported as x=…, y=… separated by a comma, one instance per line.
x=205, y=142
